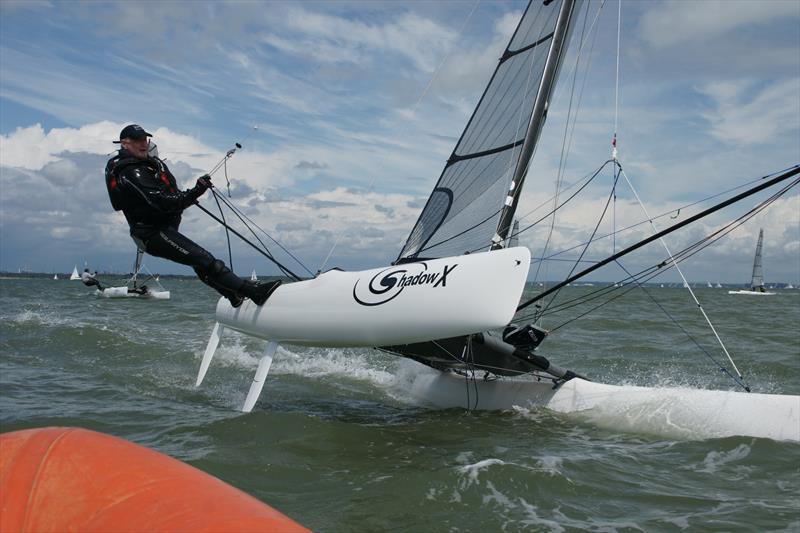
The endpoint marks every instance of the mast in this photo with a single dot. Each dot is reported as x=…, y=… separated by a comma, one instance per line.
x=137, y=265
x=757, y=281
x=554, y=57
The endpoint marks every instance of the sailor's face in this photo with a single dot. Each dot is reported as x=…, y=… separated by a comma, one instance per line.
x=137, y=147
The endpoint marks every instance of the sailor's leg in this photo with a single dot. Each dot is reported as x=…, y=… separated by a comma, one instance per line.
x=171, y=244
x=92, y=282
x=261, y=375
x=220, y=278
x=211, y=347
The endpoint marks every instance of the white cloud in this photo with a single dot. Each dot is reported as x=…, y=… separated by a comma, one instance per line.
x=772, y=111
x=333, y=38
x=679, y=22
x=31, y=148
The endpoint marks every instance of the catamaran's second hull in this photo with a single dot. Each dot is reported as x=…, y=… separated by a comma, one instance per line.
x=123, y=292
x=675, y=412
x=405, y=303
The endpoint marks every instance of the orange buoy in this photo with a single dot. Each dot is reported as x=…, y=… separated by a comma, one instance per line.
x=71, y=479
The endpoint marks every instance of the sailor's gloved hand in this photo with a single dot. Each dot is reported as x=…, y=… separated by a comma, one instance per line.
x=204, y=183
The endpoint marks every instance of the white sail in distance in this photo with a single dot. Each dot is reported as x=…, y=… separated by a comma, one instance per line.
x=757, y=282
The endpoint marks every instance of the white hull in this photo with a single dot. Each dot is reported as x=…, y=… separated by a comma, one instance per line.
x=752, y=293
x=122, y=292
x=677, y=412
x=411, y=302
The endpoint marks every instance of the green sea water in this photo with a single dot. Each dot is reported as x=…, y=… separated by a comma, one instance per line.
x=338, y=443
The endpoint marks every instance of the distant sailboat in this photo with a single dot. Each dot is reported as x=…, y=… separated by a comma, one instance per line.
x=75, y=276
x=134, y=288
x=55, y=276
x=718, y=285
x=757, y=282
x=253, y=276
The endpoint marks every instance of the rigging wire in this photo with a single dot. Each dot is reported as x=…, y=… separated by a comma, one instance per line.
x=413, y=110
x=680, y=272
x=249, y=223
x=246, y=221
x=656, y=270
x=591, y=237
x=777, y=179
x=653, y=271
x=636, y=284
x=657, y=217
x=614, y=138
x=642, y=222
x=479, y=244
x=247, y=241
x=514, y=162
x=483, y=246
x=224, y=223
x=229, y=153
x=568, y=137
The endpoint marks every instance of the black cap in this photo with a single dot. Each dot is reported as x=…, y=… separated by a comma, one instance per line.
x=133, y=131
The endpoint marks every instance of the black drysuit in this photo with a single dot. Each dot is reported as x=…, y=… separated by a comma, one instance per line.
x=146, y=192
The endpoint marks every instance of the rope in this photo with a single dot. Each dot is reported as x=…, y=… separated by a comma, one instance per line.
x=662, y=215
x=591, y=237
x=225, y=224
x=656, y=270
x=248, y=222
x=651, y=272
x=243, y=238
x=784, y=176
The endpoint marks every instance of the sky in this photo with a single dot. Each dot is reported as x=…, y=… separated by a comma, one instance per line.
x=347, y=111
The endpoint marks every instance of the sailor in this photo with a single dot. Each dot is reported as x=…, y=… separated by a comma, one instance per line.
x=143, y=188
x=91, y=280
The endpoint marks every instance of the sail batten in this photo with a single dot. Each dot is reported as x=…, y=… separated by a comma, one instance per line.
x=472, y=197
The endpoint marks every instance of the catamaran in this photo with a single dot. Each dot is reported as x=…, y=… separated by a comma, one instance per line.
x=757, y=279
x=451, y=298
x=136, y=287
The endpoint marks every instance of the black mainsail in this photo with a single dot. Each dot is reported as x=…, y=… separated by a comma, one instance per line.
x=472, y=206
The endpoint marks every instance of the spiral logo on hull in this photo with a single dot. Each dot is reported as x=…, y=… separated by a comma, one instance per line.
x=387, y=284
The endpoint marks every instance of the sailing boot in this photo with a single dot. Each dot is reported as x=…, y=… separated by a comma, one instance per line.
x=258, y=292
